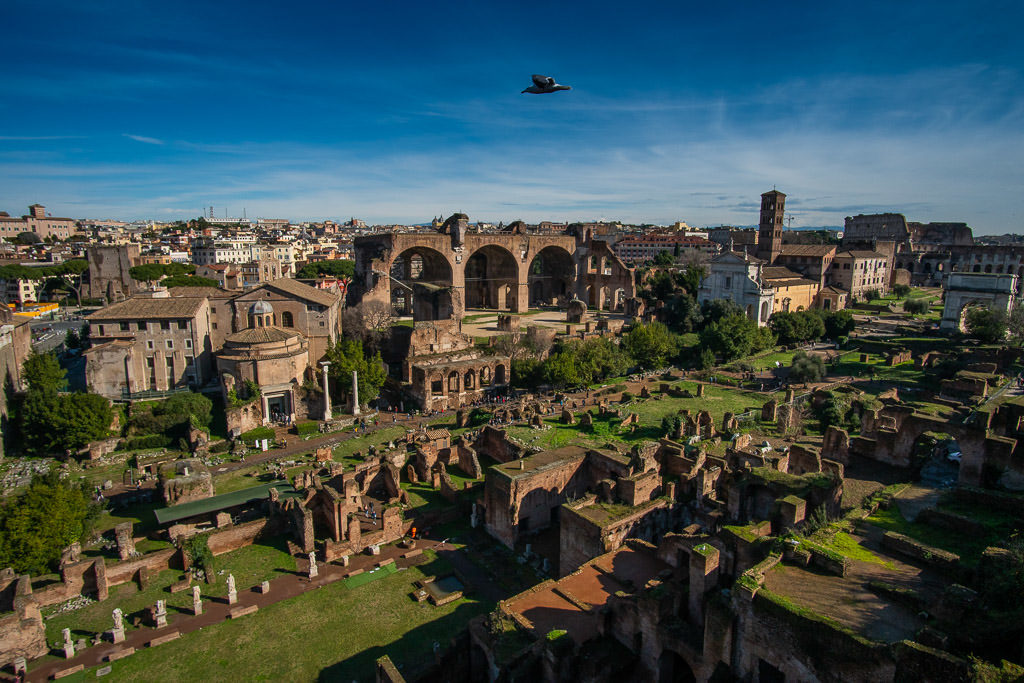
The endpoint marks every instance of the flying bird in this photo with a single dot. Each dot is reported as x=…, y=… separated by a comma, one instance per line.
x=545, y=84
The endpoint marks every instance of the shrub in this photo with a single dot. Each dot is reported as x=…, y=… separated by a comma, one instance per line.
x=307, y=428
x=258, y=433
x=807, y=368
x=149, y=441
x=872, y=294
x=916, y=306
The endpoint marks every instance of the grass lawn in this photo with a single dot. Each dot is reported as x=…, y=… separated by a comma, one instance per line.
x=969, y=548
x=334, y=633
x=253, y=475
x=141, y=516
x=250, y=565
x=362, y=443
x=718, y=400
x=847, y=546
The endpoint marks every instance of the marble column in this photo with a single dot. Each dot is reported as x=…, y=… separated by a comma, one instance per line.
x=355, y=393
x=327, y=394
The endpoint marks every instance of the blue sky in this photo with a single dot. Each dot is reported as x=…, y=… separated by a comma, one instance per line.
x=397, y=111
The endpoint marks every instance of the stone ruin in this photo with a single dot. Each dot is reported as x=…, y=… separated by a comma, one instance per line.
x=185, y=480
x=576, y=311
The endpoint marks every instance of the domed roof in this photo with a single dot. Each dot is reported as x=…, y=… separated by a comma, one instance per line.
x=261, y=307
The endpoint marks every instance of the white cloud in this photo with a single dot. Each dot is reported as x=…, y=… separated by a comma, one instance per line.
x=143, y=138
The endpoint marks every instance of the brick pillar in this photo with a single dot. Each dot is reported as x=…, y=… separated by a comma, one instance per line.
x=703, y=578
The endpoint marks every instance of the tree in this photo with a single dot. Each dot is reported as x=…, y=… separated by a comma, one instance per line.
x=872, y=295
x=43, y=373
x=716, y=309
x=562, y=370
x=369, y=322
x=333, y=268
x=188, y=281
x=650, y=345
x=839, y=324
x=735, y=336
x=598, y=359
x=691, y=278
x=347, y=355
x=832, y=411
x=55, y=423
x=72, y=340
x=986, y=325
x=154, y=271
x=807, y=368
x=1015, y=324
x=39, y=523
x=526, y=372
x=901, y=291
x=707, y=359
x=916, y=306
x=664, y=258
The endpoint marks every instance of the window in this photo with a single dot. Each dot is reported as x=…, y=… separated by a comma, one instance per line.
x=182, y=324
x=322, y=323
x=142, y=327
x=150, y=346
x=287, y=320
x=190, y=360
x=169, y=360
x=188, y=343
x=170, y=343
x=213, y=325
x=728, y=282
x=124, y=326
x=165, y=324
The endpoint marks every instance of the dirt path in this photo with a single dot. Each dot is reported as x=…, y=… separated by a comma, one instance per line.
x=912, y=500
x=849, y=600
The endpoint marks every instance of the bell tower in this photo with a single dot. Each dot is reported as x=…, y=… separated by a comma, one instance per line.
x=769, y=232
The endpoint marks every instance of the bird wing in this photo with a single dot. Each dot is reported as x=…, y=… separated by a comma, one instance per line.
x=542, y=81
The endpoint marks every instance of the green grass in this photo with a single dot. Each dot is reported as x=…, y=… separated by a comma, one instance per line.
x=370, y=576
x=141, y=516
x=717, y=400
x=847, y=546
x=969, y=548
x=362, y=443
x=333, y=633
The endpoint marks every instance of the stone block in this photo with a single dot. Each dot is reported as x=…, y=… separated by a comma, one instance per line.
x=120, y=654
x=63, y=673
x=166, y=638
x=242, y=611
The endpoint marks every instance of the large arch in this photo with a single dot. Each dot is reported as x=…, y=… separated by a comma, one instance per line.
x=492, y=279
x=421, y=284
x=551, y=275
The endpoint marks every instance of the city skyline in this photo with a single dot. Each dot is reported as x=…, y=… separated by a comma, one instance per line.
x=684, y=113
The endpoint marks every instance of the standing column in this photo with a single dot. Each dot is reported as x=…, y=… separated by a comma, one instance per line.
x=355, y=393
x=327, y=394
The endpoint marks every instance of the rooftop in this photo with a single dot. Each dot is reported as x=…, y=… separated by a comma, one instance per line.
x=204, y=506
x=820, y=250
x=148, y=309
x=262, y=335
x=296, y=288
x=541, y=461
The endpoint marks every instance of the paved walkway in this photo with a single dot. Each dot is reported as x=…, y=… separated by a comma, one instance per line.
x=216, y=610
